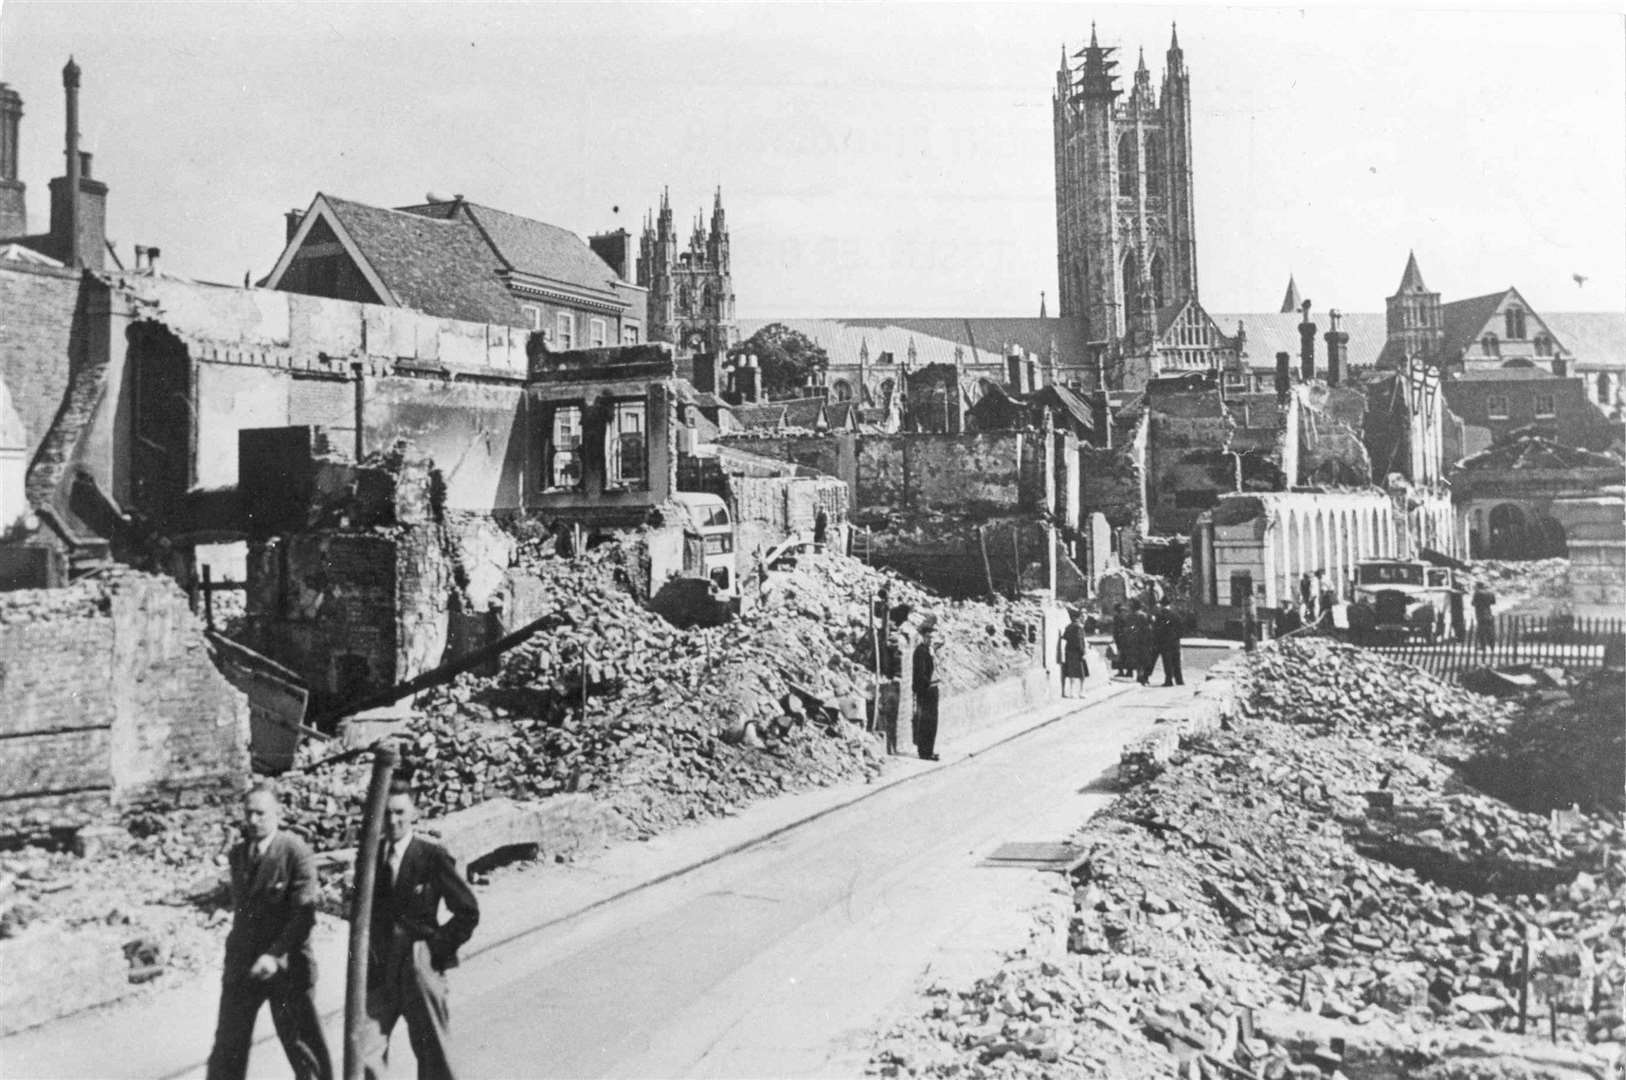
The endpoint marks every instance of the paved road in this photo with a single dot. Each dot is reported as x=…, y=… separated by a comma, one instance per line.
x=779, y=960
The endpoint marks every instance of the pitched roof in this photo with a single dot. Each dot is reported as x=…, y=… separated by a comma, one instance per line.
x=1076, y=408
x=526, y=245
x=1464, y=320
x=440, y=267
x=1591, y=336
x=756, y=417
x=1506, y=373
x=803, y=412
x=1412, y=279
x=1535, y=452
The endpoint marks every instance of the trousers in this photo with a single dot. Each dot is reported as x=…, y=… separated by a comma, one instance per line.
x=408, y=988
x=293, y=1012
x=926, y=720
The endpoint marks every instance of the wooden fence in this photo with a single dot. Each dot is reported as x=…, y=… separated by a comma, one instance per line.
x=1541, y=640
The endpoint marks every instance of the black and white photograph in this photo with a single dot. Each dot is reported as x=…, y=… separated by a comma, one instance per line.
x=787, y=539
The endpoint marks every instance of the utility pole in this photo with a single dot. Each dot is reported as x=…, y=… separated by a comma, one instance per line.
x=385, y=759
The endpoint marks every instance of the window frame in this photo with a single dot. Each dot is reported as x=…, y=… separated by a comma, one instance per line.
x=1496, y=407
x=629, y=334
x=1550, y=411
x=551, y=453
x=598, y=334
x=564, y=324
x=534, y=313
x=616, y=477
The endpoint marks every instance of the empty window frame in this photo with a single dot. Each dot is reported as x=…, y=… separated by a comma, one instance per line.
x=561, y=450
x=626, y=444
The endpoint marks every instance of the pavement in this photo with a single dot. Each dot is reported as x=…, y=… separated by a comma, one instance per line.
x=669, y=956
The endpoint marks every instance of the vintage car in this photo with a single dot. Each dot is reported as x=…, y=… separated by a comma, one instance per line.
x=1406, y=598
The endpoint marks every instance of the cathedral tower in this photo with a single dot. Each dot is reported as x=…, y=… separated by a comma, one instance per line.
x=1414, y=324
x=1125, y=217
x=691, y=290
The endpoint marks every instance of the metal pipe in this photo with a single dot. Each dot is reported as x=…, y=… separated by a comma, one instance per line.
x=385, y=758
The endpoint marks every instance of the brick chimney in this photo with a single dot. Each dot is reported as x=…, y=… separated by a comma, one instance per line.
x=294, y=219
x=1306, y=345
x=615, y=248
x=1284, y=375
x=78, y=203
x=1337, y=350
x=13, y=192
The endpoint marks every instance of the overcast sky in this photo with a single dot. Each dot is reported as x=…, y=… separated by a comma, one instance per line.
x=875, y=159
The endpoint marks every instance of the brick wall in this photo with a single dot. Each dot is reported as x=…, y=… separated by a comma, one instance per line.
x=38, y=316
x=978, y=475
x=111, y=701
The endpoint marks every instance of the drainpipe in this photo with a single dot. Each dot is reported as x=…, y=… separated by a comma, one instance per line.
x=360, y=373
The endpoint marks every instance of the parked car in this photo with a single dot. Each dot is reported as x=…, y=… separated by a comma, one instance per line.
x=1409, y=597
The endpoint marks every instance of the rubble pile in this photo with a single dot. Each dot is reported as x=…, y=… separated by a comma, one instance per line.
x=612, y=700
x=1566, y=747
x=1314, y=890
x=1519, y=582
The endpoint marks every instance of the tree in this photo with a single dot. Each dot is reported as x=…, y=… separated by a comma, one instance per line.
x=786, y=357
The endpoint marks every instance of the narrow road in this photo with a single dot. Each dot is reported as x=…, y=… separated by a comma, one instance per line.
x=780, y=960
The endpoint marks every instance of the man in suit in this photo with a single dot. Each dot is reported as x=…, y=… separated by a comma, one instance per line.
x=268, y=951
x=1142, y=653
x=410, y=949
x=1166, y=633
x=924, y=683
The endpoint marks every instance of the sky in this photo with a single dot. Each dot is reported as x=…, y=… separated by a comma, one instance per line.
x=875, y=158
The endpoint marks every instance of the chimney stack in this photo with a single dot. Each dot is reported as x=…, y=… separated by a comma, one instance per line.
x=1306, y=345
x=1561, y=366
x=1284, y=375
x=1337, y=349
x=70, y=89
x=78, y=203
x=294, y=219
x=13, y=202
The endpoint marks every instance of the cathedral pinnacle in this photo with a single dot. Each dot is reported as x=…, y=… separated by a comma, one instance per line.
x=1174, y=38
x=1093, y=43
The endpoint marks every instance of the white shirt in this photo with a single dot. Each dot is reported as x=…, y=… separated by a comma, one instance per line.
x=396, y=851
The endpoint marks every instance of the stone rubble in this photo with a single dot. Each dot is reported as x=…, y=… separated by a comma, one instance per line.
x=1319, y=867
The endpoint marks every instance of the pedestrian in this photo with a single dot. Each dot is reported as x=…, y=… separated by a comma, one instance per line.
x=1142, y=657
x=1484, y=620
x=1288, y=619
x=410, y=949
x=268, y=950
x=924, y=684
x=1326, y=599
x=1250, y=622
x=1166, y=634
x=1074, y=667
x=1120, y=640
x=1459, y=622
x=1306, y=596
x=821, y=528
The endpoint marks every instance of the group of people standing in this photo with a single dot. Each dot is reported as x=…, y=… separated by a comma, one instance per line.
x=269, y=957
x=1140, y=640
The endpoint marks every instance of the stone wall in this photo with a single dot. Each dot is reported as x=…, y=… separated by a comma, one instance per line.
x=40, y=310
x=111, y=701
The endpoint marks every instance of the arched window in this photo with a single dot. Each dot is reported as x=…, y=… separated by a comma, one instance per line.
x=683, y=298
x=1490, y=345
x=1154, y=165
x=1159, y=295
x=1544, y=345
x=1515, y=324
x=705, y=300
x=841, y=390
x=887, y=387
x=1126, y=164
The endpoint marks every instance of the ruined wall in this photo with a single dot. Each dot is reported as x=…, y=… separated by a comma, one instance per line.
x=111, y=701
x=832, y=455
x=1188, y=459
x=1332, y=438
x=770, y=509
x=351, y=612
x=981, y=475
x=40, y=312
x=473, y=432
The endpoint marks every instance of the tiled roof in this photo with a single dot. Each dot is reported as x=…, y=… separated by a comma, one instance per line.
x=1464, y=320
x=1076, y=408
x=443, y=268
x=529, y=246
x=1507, y=373
x=1593, y=337
x=757, y=417
x=803, y=412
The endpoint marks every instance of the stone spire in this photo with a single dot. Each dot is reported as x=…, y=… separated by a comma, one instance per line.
x=1291, y=300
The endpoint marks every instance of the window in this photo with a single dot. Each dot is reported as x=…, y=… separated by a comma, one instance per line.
x=1605, y=391
x=533, y=316
x=629, y=335
x=1544, y=345
x=1154, y=165
x=1490, y=345
x=625, y=447
x=1544, y=406
x=1126, y=164
x=597, y=334
x=1241, y=587
x=564, y=335
x=561, y=454
x=1515, y=323
x=1496, y=407
x=1159, y=297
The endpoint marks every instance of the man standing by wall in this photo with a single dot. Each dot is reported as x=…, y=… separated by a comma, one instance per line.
x=924, y=684
x=268, y=951
x=410, y=950
x=1484, y=619
x=1166, y=633
x=1142, y=655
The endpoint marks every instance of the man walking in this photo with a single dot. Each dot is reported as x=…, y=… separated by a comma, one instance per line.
x=1166, y=633
x=1484, y=620
x=268, y=950
x=410, y=949
x=1120, y=640
x=924, y=684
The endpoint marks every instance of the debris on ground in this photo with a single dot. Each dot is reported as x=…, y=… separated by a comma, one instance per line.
x=1314, y=892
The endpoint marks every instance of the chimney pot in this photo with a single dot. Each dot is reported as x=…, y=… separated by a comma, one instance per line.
x=84, y=164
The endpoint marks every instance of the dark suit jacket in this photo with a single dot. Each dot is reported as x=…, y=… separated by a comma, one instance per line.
x=274, y=907
x=410, y=910
x=925, y=667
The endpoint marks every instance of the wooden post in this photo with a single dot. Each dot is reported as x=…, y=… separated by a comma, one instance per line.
x=208, y=599
x=987, y=567
x=1524, y=984
x=385, y=758
x=1552, y=1020
x=1016, y=554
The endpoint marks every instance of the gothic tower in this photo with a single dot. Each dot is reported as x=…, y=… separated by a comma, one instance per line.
x=1414, y=324
x=1125, y=219
x=691, y=291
